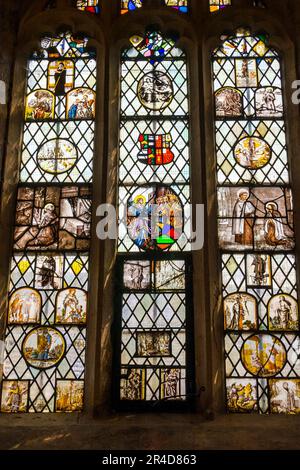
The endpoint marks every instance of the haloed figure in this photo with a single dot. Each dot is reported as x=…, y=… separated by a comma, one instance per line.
x=133, y=386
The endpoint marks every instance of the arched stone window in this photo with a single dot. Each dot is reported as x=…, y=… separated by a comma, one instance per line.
x=256, y=228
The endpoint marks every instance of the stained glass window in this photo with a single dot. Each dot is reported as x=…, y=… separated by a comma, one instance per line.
x=47, y=309
x=129, y=5
x=255, y=224
x=91, y=6
x=154, y=309
x=216, y=5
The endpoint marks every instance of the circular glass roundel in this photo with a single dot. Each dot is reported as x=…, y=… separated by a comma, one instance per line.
x=154, y=217
x=43, y=347
x=252, y=153
x=263, y=355
x=57, y=156
x=155, y=90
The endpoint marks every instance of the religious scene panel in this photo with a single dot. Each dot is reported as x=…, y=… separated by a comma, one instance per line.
x=153, y=351
x=154, y=221
x=256, y=228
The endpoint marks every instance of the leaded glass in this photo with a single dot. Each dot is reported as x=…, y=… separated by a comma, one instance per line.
x=45, y=339
x=180, y=5
x=92, y=6
x=216, y=5
x=154, y=137
x=154, y=310
x=255, y=224
x=130, y=5
x=59, y=113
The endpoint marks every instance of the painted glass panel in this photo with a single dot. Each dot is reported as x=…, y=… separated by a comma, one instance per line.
x=44, y=362
x=130, y=5
x=180, y=5
x=45, y=341
x=154, y=136
x=59, y=112
x=153, y=339
x=255, y=225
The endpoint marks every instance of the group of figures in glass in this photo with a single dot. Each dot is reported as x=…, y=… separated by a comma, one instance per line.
x=47, y=308
x=130, y=5
x=93, y=6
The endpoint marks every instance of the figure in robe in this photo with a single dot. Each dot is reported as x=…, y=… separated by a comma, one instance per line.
x=16, y=308
x=269, y=99
x=71, y=307
x=243, y=219
x=44, y=341
x=133, y=388
x=274, y=227
x=60, y=77
x=72, y=114
x=30, y=309
x=44, y=233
